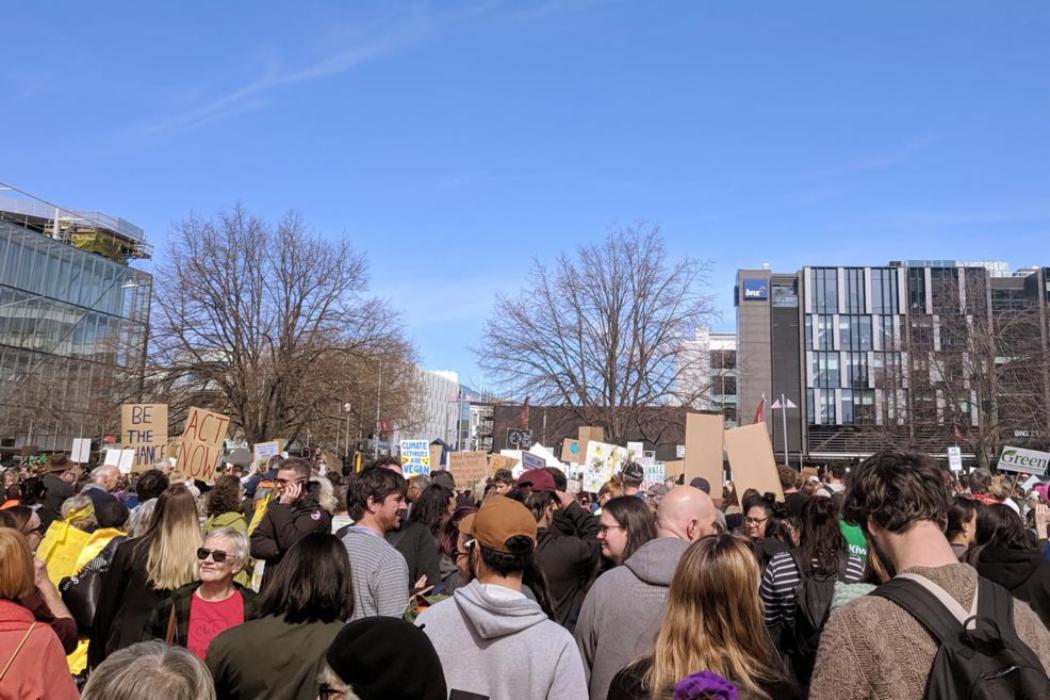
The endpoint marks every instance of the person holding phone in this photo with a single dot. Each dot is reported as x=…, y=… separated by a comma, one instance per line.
x=291, y=516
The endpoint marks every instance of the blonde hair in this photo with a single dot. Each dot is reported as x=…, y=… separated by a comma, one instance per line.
x=16, y=565
x=713, y=621
x=82, y=510
x=172, y=539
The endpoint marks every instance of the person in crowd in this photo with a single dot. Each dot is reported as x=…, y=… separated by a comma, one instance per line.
x=834, y=480
x=962, y=524
x=294, y=514
x=622, y=611
x=198, y=611
x=104, y=481
x=699, y=482
x=568, y=562
x=340, y=514
x=432, y=508
x=143, y=573
x=382, y=658
x=790, y=483
x=625, y=525
x=713, y=622
x=381, y=578
x=455, y=565
x=58, y=479
x=1006, y=554
x=980, y=485
x=150, y=670
x=27, y=521
x=765, y=523
x=871, y=648
x=12, y=496
x=822, y=557
x=631, y=476
x=31, y=655
x=280, y=654
x=149, y=486
x=413, y=540
x=224, y=505
x=502, y=481
x=416, y=486
x=79, y=511
x=492, y=640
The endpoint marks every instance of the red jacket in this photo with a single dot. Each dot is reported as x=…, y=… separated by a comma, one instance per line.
x=40, y=671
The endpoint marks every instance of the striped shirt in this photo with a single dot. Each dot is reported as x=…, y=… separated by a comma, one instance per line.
x=379, y=575
x=780, y=581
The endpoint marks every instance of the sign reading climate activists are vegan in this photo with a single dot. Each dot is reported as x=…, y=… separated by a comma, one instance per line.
x=1018, y=459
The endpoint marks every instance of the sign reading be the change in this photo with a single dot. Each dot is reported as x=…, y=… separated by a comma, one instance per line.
x=144, y=429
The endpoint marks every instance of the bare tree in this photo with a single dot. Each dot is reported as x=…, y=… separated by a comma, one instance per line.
x=601, y=332
x=267, y=323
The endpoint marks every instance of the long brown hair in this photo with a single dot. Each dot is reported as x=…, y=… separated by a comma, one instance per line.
x=172, y=539
x=713, y=620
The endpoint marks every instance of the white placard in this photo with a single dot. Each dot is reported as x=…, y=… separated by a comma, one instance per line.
x=955, y=458
x=1030, y=482
x=81, y=452
x=1018, y=459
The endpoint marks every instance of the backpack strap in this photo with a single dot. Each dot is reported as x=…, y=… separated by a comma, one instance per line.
x=941, y=615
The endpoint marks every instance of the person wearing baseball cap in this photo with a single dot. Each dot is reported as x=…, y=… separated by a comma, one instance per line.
x=492, y=640
x=632, y=477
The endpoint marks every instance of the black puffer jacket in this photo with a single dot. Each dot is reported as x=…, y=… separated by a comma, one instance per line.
x=1024, y=573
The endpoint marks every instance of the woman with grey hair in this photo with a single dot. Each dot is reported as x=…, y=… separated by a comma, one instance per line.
x=198, y=611
x=150, y=670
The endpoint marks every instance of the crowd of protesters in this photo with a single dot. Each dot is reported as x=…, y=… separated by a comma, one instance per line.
x=893, y=579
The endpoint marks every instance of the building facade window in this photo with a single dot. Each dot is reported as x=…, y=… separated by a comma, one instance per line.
x=884, y=292
x=854, y=292
x=917, y=289
x=825, y=290
x=825, y=370
x=855, y=332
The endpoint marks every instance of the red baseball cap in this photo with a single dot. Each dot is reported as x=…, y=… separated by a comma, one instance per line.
x=538, y=479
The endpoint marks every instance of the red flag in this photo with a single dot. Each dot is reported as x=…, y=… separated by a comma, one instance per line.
x=958, y=434
x=524, y=418
x=760, y=412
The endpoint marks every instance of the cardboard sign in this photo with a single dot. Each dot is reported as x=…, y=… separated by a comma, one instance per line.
x=435, y=457
x=673, y=469
x=263, y=451
x=570, y=451
x=704, y=449
x=415, y=457
x=586, y=433
x=468, y=467
x=1018, y=459
x=81, y=452
x=201, y=445
x=603, y=460
x=497, y=462
x=751, y=459
x=144, y=429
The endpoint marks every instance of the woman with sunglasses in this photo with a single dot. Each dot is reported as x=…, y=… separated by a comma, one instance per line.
x=144, y=572
x=199, y=611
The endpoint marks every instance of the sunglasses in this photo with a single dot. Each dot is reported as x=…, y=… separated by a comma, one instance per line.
x=217, y=555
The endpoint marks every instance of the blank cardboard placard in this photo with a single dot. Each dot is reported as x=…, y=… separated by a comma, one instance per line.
x=751, y=459
x=704, y=448
x=468, y=467
x=674, y=468
x=435, y=458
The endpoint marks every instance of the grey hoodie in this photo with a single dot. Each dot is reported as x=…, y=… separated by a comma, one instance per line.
x=623, y=611
x=501, y=646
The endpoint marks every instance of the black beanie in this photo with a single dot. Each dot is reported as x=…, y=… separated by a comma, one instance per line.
x=384, y=658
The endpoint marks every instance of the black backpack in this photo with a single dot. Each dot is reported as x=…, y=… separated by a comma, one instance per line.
x=813, y=596
x=980, y=655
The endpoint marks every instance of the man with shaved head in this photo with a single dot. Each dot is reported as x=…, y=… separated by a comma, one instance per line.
x=623, y=609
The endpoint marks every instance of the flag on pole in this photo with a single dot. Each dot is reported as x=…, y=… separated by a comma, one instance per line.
x=760, y=412
x=788, y=403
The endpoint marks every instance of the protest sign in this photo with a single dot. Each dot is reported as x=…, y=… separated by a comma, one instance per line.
x=81, y=453
x=704, y=449
x=415, y=457
x=586, y=433
x=497, y=462
x=1018, y=459
x=570, y=451
x=603, y=460
x=468, y=467
x=751, y=459
x=955, y=458
x=201, y=445
x=1030, y=482
x=673, y=469
x=436, y=452
x=654, y=471
x=124, y=460
x=635, y=451
x=532, y=461
x=263, y=451
x=144, y=429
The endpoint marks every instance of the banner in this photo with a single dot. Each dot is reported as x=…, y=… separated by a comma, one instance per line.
x=415, y=457
x=751, y=459
x=201, y=445
x=468, y=467
x=144, y=428
x=1018, y=459
x=603, y=460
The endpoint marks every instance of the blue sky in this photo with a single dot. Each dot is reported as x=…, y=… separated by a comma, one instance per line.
x=454, y=142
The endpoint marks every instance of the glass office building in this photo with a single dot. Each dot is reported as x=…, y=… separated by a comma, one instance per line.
x=73, y=323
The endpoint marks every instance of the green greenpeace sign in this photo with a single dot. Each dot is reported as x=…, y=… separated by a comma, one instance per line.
x=1018, y=459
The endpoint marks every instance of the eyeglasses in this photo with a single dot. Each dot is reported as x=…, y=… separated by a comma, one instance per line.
x=755, y=521
x=217, y=555
x=604, y=529
x=327, y=692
